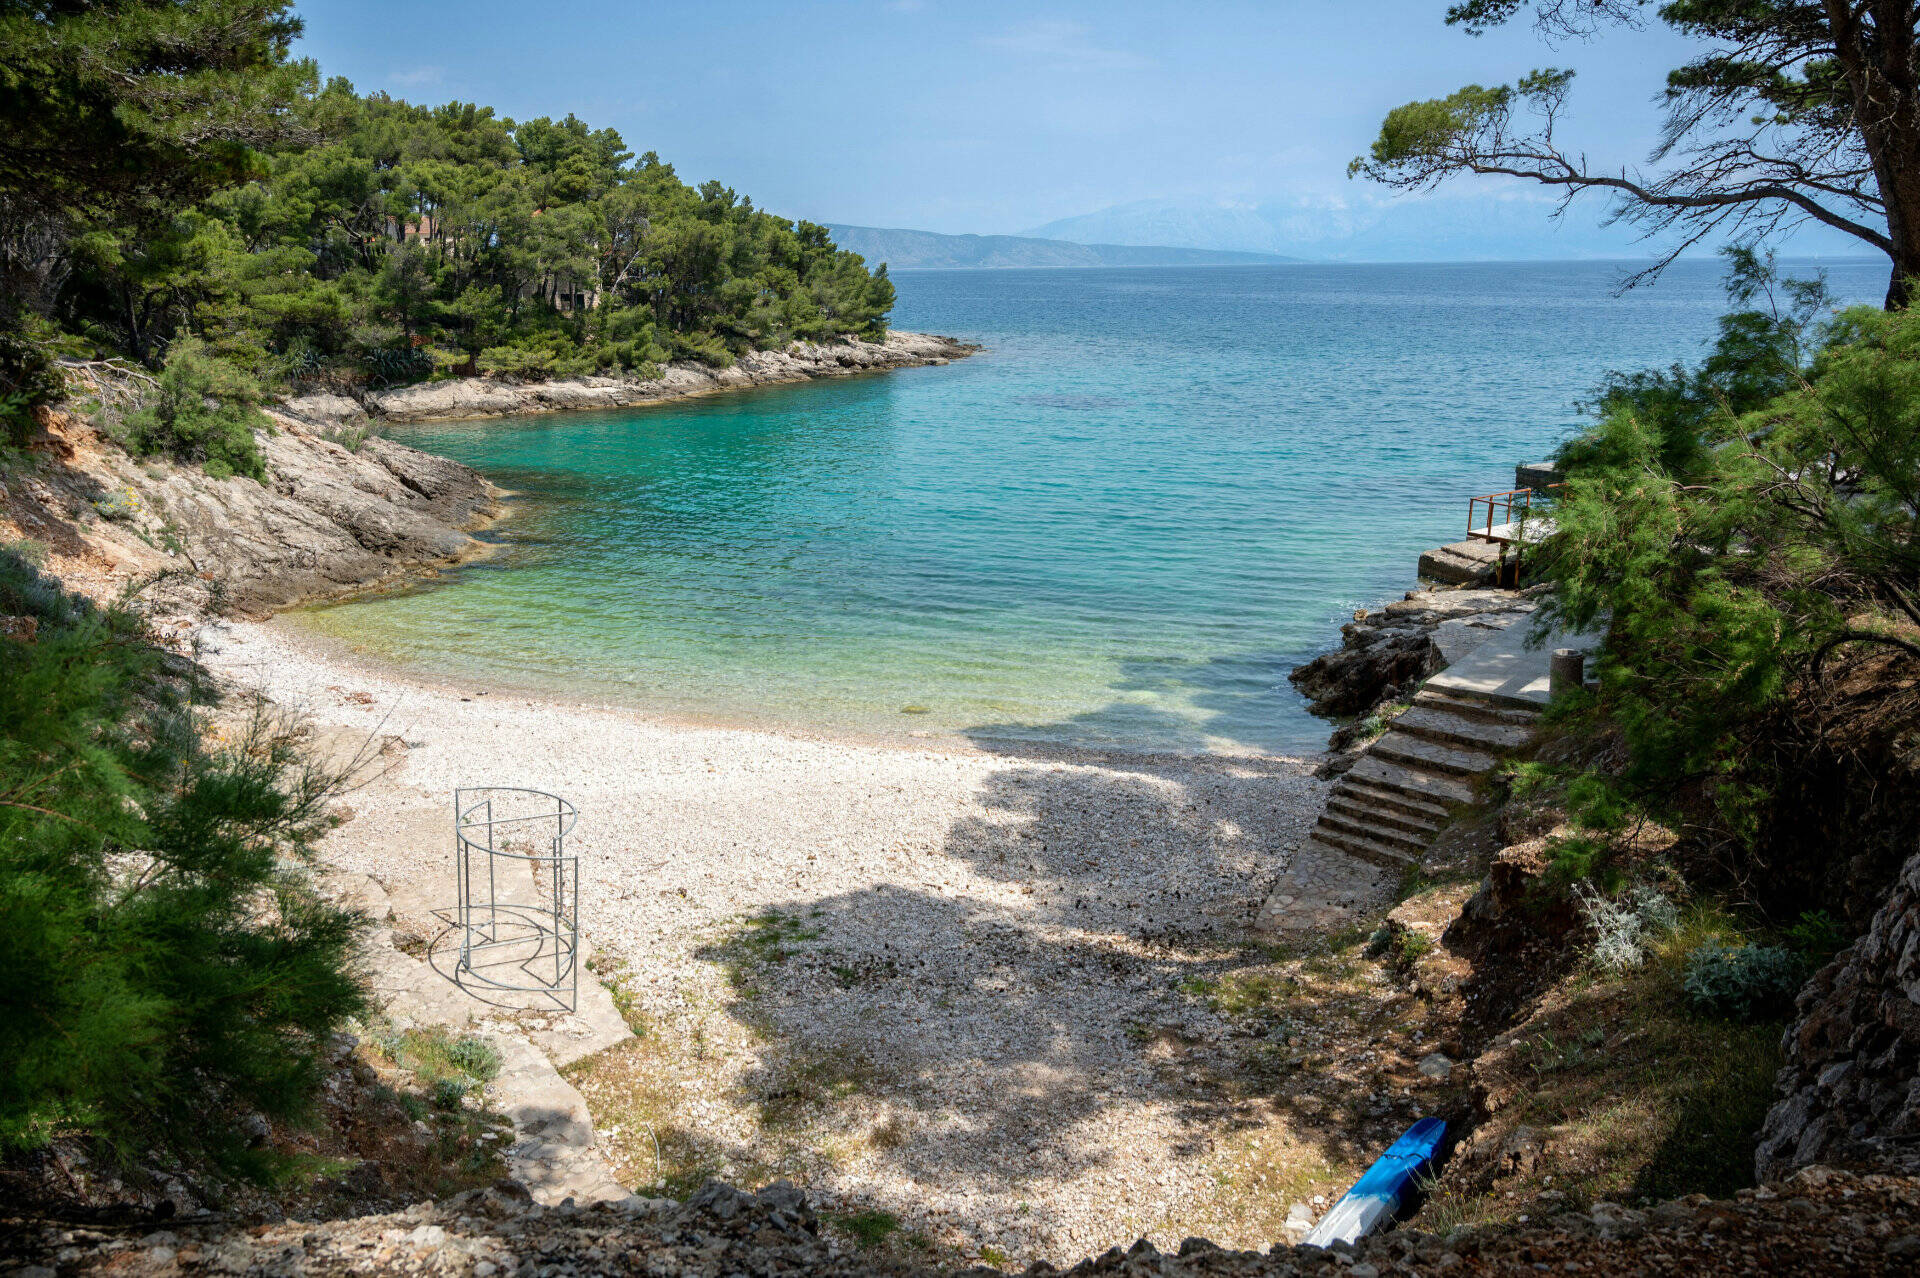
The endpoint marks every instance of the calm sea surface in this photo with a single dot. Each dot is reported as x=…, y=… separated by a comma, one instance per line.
x=1121, y=524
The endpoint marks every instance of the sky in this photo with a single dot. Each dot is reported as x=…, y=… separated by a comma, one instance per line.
x=980, y=116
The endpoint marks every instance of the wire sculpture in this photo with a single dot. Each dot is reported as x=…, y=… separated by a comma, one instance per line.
x=519, y=920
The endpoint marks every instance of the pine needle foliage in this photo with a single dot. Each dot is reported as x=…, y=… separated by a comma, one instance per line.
x=1746, y=525
x=204, y=412
x=168, y=963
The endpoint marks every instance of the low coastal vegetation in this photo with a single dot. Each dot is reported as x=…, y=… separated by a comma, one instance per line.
x=1747, y=530
x=167, y=957
x=176, y=190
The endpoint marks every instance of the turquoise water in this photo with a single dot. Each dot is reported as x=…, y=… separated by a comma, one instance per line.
x=1153, y=494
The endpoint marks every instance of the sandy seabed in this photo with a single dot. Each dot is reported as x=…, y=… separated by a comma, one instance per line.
x=961, y=1011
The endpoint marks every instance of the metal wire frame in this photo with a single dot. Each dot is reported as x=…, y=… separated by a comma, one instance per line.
x=529, y=936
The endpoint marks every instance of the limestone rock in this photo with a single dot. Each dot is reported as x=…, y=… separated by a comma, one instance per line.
x=1385, y=653
x=325, y=522
x=324, y=409
x=802, y=361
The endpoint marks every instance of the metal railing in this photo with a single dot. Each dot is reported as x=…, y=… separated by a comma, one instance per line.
x=519, y=891
x=1510, y=509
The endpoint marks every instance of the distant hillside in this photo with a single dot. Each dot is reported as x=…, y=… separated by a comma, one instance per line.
x=1460, y=225
x=907, y=250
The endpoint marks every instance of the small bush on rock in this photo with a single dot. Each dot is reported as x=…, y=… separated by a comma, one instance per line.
x=1747, y=983
x=205, y=412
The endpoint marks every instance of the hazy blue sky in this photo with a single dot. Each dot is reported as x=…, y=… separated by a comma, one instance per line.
x=977, y=116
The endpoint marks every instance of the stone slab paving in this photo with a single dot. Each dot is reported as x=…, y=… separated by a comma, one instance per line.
x=1507, y=669
x=1323, y=890
x=555, y=1153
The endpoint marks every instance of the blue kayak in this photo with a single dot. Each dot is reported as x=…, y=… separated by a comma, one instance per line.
x=1379, y=1193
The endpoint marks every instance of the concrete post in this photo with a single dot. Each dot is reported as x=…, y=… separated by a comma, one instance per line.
x=1566, y=671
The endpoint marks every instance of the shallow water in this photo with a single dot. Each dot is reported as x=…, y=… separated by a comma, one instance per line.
x=1121, y=525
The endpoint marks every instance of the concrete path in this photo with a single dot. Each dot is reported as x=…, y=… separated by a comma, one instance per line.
x=555, y=1151
x=1507, y=670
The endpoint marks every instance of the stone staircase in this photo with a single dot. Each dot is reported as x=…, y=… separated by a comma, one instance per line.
x=1383, y=814
x=1391, y=803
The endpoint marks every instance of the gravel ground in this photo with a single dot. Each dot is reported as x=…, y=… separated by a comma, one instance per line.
x=919, y=976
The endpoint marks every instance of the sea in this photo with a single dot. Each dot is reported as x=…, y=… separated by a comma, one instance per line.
x=1150, y=495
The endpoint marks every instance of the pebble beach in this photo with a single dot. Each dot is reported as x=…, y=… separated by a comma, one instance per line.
x=973, y=953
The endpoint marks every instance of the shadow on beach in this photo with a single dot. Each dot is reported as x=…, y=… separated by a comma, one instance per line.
x=1010, y=1055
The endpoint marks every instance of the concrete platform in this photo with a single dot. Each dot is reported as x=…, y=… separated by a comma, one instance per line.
x=1463, y=563
x=1505, y=671
x=1519, y=532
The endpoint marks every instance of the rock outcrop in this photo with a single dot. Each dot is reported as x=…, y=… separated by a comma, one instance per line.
x=330, y=518
x=342, y=509
x=1850, y=1085
x=484, y=397
x=1384, y=653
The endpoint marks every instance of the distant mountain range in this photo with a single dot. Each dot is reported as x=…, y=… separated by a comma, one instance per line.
x=908, y=250
x=1498, y=224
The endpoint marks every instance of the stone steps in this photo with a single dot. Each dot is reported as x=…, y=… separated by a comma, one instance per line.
x=1471, y=708
x=1382, y=800
x=1355, y=804
x=1354, y=845
x=1431, y=756
x=1388, y=808
x=1451, y=728
x=1405, y=787
x=1448, y=791
x=1375, y=833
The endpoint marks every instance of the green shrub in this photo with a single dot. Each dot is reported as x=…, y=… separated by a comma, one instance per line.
x=204, y=413
x=166, y=960
x=868, y=1227
x=1747, y=983
x=475, y=1057
x=516, y=363
x=1398, y=945
x=1818, y=937
x=1740, y=529
x=28, y=378
x=449, y=1092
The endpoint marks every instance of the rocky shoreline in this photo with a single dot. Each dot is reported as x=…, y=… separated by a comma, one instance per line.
x=342, y=511
x=1820, y=1222
x=483, y=397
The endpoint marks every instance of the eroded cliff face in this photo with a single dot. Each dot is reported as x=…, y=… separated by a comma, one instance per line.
x=1850, y=1086
x=329, y=520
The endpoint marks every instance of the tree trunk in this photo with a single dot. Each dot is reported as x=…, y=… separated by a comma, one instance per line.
x=1878, y=59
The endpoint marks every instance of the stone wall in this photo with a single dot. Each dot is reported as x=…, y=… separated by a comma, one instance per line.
x=1850, y=1086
